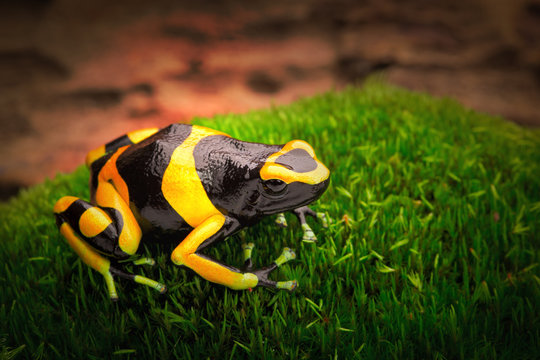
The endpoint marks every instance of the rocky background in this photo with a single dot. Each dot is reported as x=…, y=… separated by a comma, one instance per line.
x=75, y=74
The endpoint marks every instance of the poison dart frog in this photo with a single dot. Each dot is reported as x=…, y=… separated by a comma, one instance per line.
x=196, y=186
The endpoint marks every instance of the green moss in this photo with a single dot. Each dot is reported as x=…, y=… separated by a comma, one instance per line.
x=433, y=252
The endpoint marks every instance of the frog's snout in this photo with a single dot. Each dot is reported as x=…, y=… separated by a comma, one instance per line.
x=320, y=188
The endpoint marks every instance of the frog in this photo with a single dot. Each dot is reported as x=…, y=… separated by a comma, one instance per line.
x=194, y=186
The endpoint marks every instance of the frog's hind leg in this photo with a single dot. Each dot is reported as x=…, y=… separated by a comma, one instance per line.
x=91, y=232
x=67, y=223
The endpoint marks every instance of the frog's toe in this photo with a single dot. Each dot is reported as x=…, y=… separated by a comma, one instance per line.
x=281, y=221
x=290, y=285
x=309, y=235
x=286, y=255
x=144, y=261
x=151, y=283
x=248, y=249
x=325, y=220
x=110, y=286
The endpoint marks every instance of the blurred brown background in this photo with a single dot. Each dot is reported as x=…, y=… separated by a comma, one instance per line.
x=76, y=74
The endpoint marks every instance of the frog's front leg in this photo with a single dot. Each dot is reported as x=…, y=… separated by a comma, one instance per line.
x=213, y=229
x=309, y=235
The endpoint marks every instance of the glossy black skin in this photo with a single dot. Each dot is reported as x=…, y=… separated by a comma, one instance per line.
x=229, y=172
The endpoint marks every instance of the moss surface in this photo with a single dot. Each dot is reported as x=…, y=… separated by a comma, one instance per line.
x=433, y=252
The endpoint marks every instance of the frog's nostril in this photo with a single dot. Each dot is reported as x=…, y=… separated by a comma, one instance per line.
x=321, y=187
x=326, y=183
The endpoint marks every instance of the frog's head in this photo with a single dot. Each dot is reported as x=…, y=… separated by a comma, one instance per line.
x=291, y=178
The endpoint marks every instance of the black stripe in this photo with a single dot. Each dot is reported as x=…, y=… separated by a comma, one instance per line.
x=95, y=168
x=118, y=143
x=142, y=166
x=74, y=211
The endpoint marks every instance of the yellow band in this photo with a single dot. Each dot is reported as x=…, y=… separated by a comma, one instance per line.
x=273, y=170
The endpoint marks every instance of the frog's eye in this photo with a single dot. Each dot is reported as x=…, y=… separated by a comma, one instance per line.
x=274, y=186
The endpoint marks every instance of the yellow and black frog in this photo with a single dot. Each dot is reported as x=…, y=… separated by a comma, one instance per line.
x=194, y=185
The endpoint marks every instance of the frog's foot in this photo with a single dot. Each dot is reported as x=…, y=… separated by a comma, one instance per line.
x=263, y=273
x=309, y=235
x=136, y=278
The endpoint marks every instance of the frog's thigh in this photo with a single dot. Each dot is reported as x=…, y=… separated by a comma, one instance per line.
x=129, y=230
x=211, y=270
